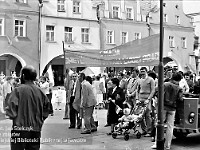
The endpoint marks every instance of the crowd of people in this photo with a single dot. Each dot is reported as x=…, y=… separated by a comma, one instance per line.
x=84, y=94
x=125, y=90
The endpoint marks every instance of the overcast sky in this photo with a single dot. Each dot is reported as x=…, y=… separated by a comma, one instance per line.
x=191, y=6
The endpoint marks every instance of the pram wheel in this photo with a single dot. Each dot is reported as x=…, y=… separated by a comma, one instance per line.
x=114, y=135
x=126, y=137
x=138, y=135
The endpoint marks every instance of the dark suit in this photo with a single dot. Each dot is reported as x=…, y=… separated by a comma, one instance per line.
x=75, y=106
x=112, y=115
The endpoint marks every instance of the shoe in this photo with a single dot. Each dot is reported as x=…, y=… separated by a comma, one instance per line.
x=154, y=146
x=86, y=132
x=60, y=109
x=52, y=114
x=107, y=125
x=71, y=127
x=109, y=133
x=93, y=130
x=65, y=118
x=79, y=127
x=147, y=135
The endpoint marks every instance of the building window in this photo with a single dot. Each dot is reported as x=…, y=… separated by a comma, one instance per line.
x=115, y=12
x=183, y=42
x=124, y=37
x=85, y=35
x=128, y=13
x=21, y=1
x=68, y=34
x=165, y=19
x=137, y=36
x=49, y=33
x=20, y=28
x=110, y=37
x=61, y=5
x=1, y=26
x=177, y=19
x=76, y=7
x=171, y=41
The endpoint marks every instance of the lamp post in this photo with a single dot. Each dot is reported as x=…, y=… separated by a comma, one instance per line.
x=160, y=126
x=39, y=33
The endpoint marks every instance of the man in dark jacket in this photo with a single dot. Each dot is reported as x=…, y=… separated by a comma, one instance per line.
x=172, y=94
x=28, y=107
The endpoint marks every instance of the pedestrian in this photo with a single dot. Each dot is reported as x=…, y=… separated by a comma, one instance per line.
x=67, y=88
x=7, y=89
x=73, y=114
x=77, y=103
x=88, y=102
x=1, y=95
x=183, y=83
x=145, y=92
x=116, y=98
x=98, y=91
x=172, y=95
x=28, y=107
x=46, y=88
x=132, y=87
x=108, y=89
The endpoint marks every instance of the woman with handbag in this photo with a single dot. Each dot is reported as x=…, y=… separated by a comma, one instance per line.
x=116, y=98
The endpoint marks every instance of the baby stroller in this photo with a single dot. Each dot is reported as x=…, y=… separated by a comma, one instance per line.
x=133, y=122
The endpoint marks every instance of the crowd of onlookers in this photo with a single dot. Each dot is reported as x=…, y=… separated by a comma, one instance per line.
x=115, y=92
x=124, y=90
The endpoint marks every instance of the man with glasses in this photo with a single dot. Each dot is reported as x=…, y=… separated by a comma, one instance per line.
x=145, y=92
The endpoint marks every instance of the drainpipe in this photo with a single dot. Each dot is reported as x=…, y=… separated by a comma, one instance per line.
x=39, y=33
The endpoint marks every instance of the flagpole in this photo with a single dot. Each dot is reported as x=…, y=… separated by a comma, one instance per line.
x=160, y=126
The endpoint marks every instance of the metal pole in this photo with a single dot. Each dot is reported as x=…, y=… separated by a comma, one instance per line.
x=64, y=59
x=39, y=35
x=160, y=126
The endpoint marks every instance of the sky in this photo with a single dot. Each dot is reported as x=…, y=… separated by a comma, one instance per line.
x=191, y=6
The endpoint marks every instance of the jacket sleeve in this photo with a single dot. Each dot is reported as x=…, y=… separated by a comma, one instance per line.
x=84, y=95
x=119, y=100
x=13, y=102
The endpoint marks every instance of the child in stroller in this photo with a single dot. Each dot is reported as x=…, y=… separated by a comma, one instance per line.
x=131, y=119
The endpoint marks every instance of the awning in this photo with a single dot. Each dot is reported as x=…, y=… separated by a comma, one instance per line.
x=141, y=52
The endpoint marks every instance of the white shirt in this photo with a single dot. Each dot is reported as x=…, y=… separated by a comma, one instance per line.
x=183, y=84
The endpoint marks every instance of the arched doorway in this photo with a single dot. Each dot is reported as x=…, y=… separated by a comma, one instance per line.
x=9, y=63
x=167, y=61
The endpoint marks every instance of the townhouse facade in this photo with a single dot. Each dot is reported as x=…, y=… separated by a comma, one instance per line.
x=123, y=21
x=37, y=34
x=66, y=24
x=18, y=35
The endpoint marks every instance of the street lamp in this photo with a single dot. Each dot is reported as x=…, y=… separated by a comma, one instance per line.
x=39, y=32
x=160, y=126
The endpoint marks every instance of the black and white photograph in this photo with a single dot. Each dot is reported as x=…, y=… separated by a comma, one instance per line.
x=99, y=74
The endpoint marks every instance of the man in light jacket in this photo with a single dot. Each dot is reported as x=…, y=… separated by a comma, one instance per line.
x=88, y=102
